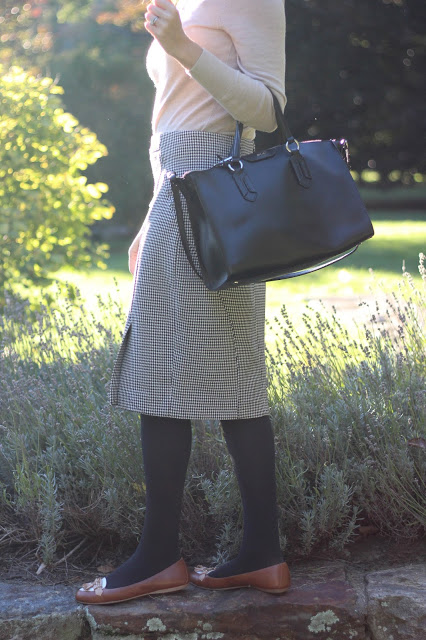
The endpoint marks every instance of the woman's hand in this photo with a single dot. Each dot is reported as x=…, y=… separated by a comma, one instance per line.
x=168, y=31
x=133, y=253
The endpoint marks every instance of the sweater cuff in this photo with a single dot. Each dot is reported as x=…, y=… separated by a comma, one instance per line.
x=201, y=62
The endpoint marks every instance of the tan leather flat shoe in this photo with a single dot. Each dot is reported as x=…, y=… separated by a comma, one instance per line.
x=273, y=579
x=173, y=578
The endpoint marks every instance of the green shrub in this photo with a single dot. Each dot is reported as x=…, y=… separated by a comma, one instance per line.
x=348, y=412
x=46, y=206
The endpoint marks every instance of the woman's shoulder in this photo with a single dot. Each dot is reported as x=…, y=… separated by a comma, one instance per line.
x=242, y=10
x=253, y=14
x=249, y=5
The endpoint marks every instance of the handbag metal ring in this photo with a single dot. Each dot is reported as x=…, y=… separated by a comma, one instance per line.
x=288, y=147
x=231, y=168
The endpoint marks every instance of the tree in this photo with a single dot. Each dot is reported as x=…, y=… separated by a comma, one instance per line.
x=47, y=206
x=355, y=69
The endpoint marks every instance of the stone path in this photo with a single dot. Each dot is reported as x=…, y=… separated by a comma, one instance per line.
x=376, y=592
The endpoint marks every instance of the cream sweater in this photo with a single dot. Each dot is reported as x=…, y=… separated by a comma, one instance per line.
x=243, y=45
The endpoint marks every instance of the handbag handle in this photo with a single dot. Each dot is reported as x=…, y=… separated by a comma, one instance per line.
x=283, y=129
x=177, y=185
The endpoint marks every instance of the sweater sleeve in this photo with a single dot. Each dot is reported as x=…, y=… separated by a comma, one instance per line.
x=257, y=31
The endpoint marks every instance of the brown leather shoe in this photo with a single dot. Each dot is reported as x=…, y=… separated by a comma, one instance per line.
x=173, y=578
x=273, y=579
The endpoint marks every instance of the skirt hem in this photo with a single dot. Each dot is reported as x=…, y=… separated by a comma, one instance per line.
x=196, y=415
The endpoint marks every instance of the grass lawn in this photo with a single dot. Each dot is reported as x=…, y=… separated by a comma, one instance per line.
x=394, y=242
x=398, y=237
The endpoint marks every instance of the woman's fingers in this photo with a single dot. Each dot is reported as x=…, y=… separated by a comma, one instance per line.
x=132, y=262
x=161, y=8
x=164, y=4
x=164, y=24
x=155, y=13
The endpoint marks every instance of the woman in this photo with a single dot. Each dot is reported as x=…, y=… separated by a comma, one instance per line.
x=188, y=352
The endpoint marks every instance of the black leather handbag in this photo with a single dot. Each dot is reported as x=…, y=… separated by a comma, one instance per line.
x=274, y=214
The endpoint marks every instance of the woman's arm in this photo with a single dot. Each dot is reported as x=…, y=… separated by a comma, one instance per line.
x=258, y=33
x=257, y=30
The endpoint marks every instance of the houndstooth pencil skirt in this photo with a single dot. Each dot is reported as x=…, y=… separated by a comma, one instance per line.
x=187, y=352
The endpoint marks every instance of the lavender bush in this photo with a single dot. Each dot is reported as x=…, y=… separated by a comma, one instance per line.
x=348, y=410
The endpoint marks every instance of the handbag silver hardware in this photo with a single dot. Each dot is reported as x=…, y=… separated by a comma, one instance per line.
x=288, y=147
x=231, y=168
x=233, y=160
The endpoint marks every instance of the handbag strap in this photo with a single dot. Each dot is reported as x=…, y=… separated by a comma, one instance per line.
x=177, y=185
x=283, y=129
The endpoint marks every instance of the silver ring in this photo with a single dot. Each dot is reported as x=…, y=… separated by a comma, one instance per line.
x=154, y=20
x=231, y=168
x=293, y=141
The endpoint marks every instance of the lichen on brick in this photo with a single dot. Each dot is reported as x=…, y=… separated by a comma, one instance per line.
x=155, y=624
x=207, y=626
x=322, y=621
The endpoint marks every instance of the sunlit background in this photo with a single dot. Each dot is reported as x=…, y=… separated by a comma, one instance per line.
x=75, y=170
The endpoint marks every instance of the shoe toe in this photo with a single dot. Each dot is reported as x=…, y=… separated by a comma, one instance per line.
x=272, y=579
x=91, y=591
x=173, y=578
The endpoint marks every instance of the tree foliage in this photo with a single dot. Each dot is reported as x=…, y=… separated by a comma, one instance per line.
x=47, y=206
x=356, y=69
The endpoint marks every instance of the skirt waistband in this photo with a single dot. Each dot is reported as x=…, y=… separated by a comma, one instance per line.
x=166, y=136
x=182, y=151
